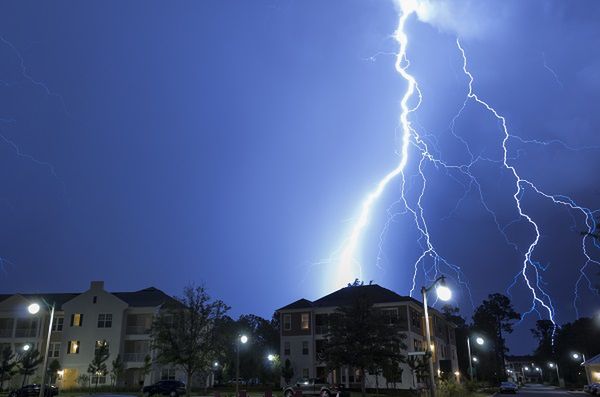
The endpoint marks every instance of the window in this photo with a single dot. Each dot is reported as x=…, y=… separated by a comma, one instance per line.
x=286, y=348
x=77, y=320
x=104, y=320
x=305, y=372
x=167, y=374
x=305, y=347
x=287, y=322
x=95, y=300
x=54, y=350
x=73, y=347
x=418, y=345
x=304, y=322
x=415, y=319
x=57, y=324
x=391, y=315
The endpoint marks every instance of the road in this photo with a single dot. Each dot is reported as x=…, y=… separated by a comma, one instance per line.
x=541, y=391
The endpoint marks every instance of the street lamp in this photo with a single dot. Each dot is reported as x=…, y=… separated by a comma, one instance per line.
x=240, y=339
x=270, y=357
x=34, y=308
x=26, y=347
x=577, y=356
x=555, y=366
x=443, y=293
x=475, y=359
x=480, y=341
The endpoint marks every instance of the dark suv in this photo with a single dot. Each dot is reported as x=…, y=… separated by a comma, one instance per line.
x=314, y=387
x=172, y=388
x=33, y=390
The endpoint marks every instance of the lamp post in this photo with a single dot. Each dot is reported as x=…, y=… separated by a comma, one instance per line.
x=577, y=356
x=553, y=365
x=34, y=308
x=443, y=293
x=479, y=340
x=240, y=339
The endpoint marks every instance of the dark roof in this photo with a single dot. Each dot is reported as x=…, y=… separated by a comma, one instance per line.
x=374, y=292
x=346, y=295
x=58, y=299
x=299, y=304
x=145, y=297
x=148, y=297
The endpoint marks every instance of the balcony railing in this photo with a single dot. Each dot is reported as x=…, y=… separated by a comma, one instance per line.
x=25, y=332
x=6, y=333
x=137, y=330
x=134, y=357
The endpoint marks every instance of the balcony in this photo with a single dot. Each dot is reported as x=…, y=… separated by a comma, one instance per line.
x=137, y=330
x=6, y=333
x=134, y=357
x=25, y=333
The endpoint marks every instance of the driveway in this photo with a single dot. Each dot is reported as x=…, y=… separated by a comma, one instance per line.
x=540, y=391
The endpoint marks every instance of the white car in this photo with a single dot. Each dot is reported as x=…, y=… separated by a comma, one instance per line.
x=508, y=387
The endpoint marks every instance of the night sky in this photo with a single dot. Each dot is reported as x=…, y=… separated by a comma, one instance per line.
x=231, y=143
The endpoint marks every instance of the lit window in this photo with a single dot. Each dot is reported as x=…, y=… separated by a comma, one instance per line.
x=101, y=343
x=73, y=347
x=304, y=323
x=287, y=322
x=104, y=320
x=76, y=320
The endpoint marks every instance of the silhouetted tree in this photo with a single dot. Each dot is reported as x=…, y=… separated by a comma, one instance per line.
x=361, y=336
x=187, y=333
x=7, y=365
x=28, y=363
x=287, y=371
x=117, y=369
x=98, y=367
x=53, y=369
x=496, y=316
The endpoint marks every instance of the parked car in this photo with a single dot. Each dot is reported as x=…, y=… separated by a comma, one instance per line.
x=33, y=390
x=171, y=388
x=594, y=388
x=508, y=387
x=311, y=386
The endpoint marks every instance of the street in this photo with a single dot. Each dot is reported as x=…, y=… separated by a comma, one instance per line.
x=540, y=391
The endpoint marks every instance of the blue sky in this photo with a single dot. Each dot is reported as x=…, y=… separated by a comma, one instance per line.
x=231, y=143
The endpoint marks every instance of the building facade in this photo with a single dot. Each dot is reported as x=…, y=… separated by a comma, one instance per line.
x=83, y=321
x=304, y=325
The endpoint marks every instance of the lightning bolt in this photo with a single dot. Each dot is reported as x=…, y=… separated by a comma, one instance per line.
x=430, y=261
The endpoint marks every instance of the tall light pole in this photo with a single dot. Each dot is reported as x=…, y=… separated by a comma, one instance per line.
x=240, y=339
x=553, y=365
x=479, y=340
x=444, y=294
x=577, y=356
x=34, y=308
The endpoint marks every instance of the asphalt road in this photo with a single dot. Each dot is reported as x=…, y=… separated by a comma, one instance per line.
x=540, y=391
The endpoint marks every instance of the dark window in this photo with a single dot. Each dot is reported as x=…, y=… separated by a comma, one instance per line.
x=286, y=348
x=287, y=322
x=415, y=319
x=57, y=324
x=94, y=299
x=104, y=320
x=305, y=347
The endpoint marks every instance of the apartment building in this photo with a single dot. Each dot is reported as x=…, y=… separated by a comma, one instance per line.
x=304, y=325
x=83, y=321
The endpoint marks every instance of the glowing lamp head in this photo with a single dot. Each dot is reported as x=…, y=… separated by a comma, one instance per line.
x=215, y=364
x=479, y=340
x=457, y=373
x=443, y=292
x=475, y=359
x=34, y=308
x=551, y=365
x=243, y=339
x=26, y=347
x=270, y=357
x=526, y=368
x=576, y=356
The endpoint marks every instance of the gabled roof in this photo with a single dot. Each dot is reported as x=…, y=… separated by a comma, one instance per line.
x=345, y=296
x=58, y=299
x=593, y=361
x=145, y=297
x=374, y=292
x=299, y=304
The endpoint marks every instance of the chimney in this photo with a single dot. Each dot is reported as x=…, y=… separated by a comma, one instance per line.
x=97, y=285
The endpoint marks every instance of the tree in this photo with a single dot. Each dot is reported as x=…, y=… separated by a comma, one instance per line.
x=544, y=332
x=83, y=380
x=7, y=365
x=29, y=363
x=419, y=367
x=53, y=369
x=146, y=367
x=98, y=367
x=116, y=369
x=187, y=333
x=496, y=316
x=287, y=371
x=363, y=337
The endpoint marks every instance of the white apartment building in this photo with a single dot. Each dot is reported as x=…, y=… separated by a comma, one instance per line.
x=81, y=322
x=304, y=325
